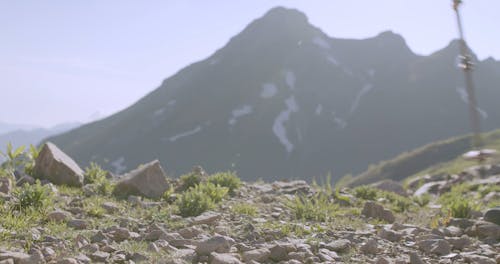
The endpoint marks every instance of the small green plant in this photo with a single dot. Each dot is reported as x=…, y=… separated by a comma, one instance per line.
x=34, y=196
x=461, y=208
x=32, y=155
x=365, y=192
x=189, y=180
x=244, y=209
x=226, y=179
x=316, y=208
x=194, y=202
x=94, y=174
x=215, y=192
x=399, y=203
x=13, y=156
x=422, y=200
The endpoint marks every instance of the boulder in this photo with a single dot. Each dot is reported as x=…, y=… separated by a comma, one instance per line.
x=148, y=180
x=493, y=215
x=374, y=210
x=219, y=244
x=55, y=166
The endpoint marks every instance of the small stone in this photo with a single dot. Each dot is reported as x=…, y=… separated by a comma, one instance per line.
x=441, y=247
x=5, y=185
x=374, y=210
x=415, y=258
x=110, y=207
x=339, y=246
x=459, y=243
x=25, y=179
x=48, y=253
x=370, y=247
x=390, y=235
x=99, y=256
x=67, y=261
x=260, y=255
x=79, y=224
x=278, y=253
x=58, y=216
x=217, y=258
x=120, y=234
x=219, y=244
x=18, y=257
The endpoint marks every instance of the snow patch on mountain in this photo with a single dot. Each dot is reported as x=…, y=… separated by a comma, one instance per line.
x=268, y=90
x=185, y=134
x=333, y=60
x=214, y=61
x=321, y=42
x=160, y=111
x=239, y=112
x=279, y=123
x=465, y=98
x=290, y=79
x=319, y=109
x=362, y=92
x=118, y=165
x=339, y=121
x=371, y=73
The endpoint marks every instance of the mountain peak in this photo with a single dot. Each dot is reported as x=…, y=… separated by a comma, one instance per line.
x=280, y=12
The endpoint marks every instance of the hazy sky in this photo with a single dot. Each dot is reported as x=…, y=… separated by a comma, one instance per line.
x=66, y=60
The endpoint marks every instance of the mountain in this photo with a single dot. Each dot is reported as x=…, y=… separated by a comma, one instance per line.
x=284, y=100
x=8, y=127
x=32, y=135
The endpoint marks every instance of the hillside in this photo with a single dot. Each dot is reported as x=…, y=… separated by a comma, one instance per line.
x=218, y=219
x=438, y=157
x=283, y=100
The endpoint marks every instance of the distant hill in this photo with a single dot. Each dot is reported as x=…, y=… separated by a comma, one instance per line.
x=9, y=127
x=32, y=136
x=442, y=156
x=284, y=100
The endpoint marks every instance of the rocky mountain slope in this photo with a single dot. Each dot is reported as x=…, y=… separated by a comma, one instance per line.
x=284, y=100
x=438, y=157
x=436, y=219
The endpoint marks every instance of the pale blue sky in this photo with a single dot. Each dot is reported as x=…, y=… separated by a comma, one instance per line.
x=66, y=60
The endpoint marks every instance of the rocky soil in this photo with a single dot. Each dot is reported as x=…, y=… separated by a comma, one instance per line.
x=280, y=222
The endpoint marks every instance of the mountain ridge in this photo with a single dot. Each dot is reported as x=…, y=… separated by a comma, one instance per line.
x=293, y=104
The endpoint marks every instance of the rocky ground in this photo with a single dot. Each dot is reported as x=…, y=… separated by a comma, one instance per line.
x=72, y=216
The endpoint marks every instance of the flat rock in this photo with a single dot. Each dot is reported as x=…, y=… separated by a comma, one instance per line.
x=55, y=166
x=339, y=246
x=207, y=218
x=148, y=180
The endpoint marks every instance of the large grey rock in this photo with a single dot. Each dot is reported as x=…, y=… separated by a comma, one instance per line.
x=55, y=166
x=148, y=180
x=493, y=215
x=374, y=210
